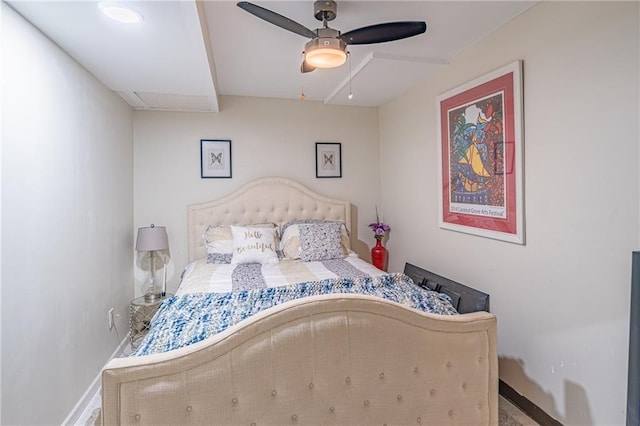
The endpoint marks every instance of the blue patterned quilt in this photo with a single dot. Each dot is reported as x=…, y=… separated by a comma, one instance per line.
x=190, y=318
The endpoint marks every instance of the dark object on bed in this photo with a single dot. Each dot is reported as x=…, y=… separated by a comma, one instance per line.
x=465, y=299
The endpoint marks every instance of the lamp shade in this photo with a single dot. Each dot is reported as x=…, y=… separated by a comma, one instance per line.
x=152, y=238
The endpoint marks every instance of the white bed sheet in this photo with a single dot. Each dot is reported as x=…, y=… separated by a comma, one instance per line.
x=201, y=277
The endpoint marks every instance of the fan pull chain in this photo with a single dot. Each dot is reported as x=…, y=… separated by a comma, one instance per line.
x=350, y=92
x=302, y=82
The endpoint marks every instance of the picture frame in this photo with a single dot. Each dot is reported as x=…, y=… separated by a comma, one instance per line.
x=215, y=159
x=480, y=156
x=328, y=160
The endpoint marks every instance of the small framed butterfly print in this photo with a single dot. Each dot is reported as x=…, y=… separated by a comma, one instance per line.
x=215, y=158
x=328, y=160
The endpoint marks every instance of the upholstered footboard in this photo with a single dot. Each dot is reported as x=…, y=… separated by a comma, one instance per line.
x=339, y=359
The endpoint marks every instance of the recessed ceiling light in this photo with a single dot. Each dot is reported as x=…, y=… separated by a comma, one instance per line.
x=120, y=13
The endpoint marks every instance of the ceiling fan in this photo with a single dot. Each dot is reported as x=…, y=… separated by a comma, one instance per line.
x=328, y=47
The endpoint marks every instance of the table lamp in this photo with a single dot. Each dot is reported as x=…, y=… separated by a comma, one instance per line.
x=152, y=239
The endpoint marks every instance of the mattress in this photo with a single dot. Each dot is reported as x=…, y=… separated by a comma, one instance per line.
x=203, y=277
x=210, y=300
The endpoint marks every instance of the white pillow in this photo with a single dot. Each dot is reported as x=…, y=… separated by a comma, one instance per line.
x=254, y=245
x=219, y=243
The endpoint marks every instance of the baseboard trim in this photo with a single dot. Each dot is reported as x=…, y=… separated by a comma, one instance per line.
x=77, y=411
x=526, y=406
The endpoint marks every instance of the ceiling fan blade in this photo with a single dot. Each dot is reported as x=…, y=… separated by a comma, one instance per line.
x=381, y=33
x=305, y=67
x=276, y=19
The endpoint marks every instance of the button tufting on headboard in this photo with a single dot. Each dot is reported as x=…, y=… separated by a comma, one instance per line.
x=272, y=199
x=313, y=362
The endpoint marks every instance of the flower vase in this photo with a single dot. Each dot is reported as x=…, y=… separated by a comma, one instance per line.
x=379, y=255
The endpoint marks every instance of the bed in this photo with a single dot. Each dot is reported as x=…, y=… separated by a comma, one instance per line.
x=364, y=354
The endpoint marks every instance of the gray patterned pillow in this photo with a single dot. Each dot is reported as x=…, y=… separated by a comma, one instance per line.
x=290, y=241
x=320, y=241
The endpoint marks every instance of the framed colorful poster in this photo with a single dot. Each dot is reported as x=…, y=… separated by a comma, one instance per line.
x=480, y=156
x=215, y=158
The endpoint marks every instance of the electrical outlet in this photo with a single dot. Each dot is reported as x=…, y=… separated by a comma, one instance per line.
x=110, y=315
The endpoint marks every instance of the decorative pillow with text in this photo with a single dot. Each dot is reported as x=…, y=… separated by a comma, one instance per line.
x=254, y=245
x=219, y=241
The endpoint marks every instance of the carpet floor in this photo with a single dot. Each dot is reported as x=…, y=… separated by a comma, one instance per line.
x=510, y=415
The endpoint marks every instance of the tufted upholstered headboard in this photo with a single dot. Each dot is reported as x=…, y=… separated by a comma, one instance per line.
x=270, y=199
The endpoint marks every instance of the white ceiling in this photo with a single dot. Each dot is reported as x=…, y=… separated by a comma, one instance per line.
x=185, y=54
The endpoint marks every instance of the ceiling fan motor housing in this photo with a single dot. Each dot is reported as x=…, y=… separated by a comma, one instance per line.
x=325, y=10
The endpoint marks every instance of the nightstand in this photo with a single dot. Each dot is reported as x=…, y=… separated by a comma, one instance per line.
x=140, y=314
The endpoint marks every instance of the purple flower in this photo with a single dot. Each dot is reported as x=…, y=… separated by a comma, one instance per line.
x=379, y=228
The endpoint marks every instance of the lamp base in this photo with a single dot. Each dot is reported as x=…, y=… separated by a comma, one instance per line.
x=152, y=297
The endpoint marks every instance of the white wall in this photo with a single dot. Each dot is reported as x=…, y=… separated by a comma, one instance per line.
x=269, y=137
x=67, y=221
x=562, y=300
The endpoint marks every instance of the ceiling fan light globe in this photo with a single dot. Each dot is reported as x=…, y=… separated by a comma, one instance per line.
x=325, y=53
x=326, y=58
